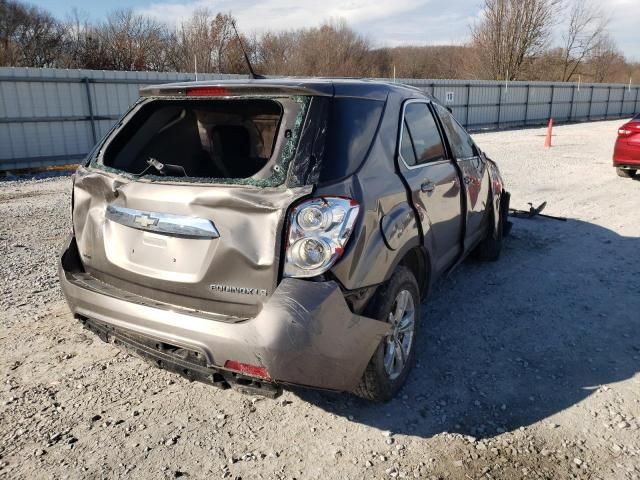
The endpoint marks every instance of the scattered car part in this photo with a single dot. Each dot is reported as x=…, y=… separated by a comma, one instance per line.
x=534, y=212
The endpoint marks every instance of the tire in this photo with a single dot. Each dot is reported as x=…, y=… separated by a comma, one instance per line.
x=381, y=381
x=625, y=173
x=491, y=245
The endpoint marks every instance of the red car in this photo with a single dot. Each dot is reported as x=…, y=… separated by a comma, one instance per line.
x=626, y=153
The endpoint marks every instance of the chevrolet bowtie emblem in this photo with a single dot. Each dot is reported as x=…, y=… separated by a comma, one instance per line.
x=146, y=221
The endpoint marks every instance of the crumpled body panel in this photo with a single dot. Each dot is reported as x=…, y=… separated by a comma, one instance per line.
x=305, y=333
x=232, y=274
x=497, y=188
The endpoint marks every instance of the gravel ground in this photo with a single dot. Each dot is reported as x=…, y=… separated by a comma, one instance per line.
x=527, y=368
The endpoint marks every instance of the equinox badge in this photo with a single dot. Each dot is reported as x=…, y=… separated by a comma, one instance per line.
x=261, y=292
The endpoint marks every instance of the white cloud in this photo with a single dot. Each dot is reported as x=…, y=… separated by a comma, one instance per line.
x=284, y=14
x=389, y=22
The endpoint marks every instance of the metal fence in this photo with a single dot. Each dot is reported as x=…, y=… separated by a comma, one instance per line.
x=52, y=117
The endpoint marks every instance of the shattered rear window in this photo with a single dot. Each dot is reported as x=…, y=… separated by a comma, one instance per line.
x=246, y=140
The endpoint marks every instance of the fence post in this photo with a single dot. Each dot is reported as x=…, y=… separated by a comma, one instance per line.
x=635, y=103
x=499, y=104
x=624, y=89
x=466, y=121
x=553, y=89
x=526, y=107
x=606, y=112
x=573, y=96
x=85, y=80
x=590, y=104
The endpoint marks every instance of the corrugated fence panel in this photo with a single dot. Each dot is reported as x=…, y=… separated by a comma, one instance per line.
x=598, y=102
x=631, y=99
x=581, y=102
x=562, y=99
x=539, y=103
x=54, y=116
x=513, y=106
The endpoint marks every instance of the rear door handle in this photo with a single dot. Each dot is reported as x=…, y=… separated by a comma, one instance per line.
x=427, y=186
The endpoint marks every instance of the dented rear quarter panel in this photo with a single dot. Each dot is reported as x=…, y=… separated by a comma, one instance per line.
x=388, y=227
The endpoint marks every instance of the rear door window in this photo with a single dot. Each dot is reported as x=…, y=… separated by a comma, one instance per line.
x=406, y=146
x=459, y=140
x=423, y=131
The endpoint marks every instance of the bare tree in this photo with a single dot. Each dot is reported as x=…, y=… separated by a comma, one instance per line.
x=605, y=60
x=510, y=39
x=438, y=61
x=333, y=49
x=585, y=30
x=276, y=52
x=133, y=42
x=29, y=36
x=83, y=44
x=206, y=39
x=510, y=33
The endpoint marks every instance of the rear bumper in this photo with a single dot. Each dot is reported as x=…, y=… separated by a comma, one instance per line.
x=305, y=333
x=627, y=165
x=626, y=155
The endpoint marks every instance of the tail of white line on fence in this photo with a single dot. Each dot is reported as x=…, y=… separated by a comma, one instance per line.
x=53, y=116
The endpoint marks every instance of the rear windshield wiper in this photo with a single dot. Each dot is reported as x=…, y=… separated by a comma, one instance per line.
x=164, y=169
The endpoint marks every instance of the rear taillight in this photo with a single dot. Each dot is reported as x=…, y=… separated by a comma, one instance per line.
x=207, y=92
x=319, y=230
x=247, y=369
x=629, y=129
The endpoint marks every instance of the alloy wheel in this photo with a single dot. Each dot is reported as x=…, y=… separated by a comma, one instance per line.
x=400, y=339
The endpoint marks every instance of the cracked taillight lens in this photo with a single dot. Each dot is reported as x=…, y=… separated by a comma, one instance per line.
x=319, y=230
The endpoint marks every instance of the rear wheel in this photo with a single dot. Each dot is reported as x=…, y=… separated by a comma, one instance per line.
x=398, y=303
x=625, y=172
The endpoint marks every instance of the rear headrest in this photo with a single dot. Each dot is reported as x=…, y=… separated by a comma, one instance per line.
x=234, y=140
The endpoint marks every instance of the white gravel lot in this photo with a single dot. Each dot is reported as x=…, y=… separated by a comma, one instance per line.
x=527, y=368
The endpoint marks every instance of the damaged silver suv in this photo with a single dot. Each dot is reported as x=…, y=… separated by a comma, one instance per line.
x=261, y=233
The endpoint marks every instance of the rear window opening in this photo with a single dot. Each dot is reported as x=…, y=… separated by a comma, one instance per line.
x=221, y=139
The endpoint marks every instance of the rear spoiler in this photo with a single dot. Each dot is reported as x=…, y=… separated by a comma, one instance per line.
x=239, y=88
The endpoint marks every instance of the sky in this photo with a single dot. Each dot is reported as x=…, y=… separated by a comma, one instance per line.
x=384, y=22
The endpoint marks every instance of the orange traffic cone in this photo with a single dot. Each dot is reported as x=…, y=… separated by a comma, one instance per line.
x=547, y=140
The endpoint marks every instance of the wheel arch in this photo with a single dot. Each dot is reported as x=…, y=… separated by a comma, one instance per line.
x=499, y=198
x=416, y=258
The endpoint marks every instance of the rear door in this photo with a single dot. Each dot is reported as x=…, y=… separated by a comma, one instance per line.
x=433, y=181
x=474, y=175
